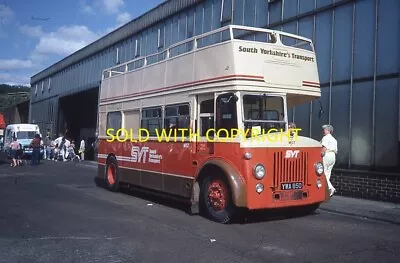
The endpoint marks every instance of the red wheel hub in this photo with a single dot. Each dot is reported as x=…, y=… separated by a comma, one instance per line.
x=111, y=174
x=217, y=194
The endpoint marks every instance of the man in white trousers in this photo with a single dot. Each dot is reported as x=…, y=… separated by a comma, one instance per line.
x=329, y=151
x=82, y=149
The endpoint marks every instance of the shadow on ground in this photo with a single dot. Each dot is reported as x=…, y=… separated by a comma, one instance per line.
x=247, y=217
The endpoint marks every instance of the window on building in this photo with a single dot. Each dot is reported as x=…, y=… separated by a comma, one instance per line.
x=137, y=48
x=226, y=12
x=160, y=37
x=151, y=120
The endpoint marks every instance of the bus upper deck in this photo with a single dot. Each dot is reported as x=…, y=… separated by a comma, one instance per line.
x=276, y=62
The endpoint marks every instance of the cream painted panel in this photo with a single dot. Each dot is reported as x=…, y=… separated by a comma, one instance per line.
x=214, y=61
x=179, y=70
x=176, y=98
x=102, y=123
x=104, y=89
x=153, y=77
x=132, y=104
x=102, y=108
x=133, y=82
x=116, y=86
x=151, y=102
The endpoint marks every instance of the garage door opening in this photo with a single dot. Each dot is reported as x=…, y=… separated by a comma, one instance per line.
x=78, y=118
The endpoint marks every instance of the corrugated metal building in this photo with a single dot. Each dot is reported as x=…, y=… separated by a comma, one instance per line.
x=357, y=44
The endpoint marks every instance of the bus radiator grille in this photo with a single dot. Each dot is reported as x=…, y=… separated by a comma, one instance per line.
x=288, y=170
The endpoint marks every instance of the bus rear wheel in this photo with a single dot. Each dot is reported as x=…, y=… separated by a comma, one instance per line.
x=217, y=200
x=112, y=174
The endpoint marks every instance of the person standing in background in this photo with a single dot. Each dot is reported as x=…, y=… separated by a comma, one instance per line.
x=14, y=151
x=82, y=149
x=62, y=147
x=329, y=151
x=47, y=149
x=20, y=154
x=35, y=145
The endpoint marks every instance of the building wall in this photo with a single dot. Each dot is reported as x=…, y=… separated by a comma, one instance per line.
x=357, y=53
x=373, y=186
x=45, y=114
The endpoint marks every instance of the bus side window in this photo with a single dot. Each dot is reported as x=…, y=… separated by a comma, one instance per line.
x=114, y=121
x=151, y=120
x=226, y=114
x=177, y=117
x=207, y=117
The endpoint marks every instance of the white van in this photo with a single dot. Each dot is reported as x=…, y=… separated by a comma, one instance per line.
x=24, y=133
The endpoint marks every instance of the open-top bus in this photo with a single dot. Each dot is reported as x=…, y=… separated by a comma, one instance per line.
x=225, y=95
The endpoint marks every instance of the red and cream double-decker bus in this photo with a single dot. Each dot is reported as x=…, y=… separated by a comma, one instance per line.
x=223, y=97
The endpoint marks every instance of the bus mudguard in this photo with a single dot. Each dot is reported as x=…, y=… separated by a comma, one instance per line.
x=235, y=180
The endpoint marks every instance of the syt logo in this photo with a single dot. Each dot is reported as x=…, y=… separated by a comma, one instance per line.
x=292, y=153
x=145, y=155
x=139, y=155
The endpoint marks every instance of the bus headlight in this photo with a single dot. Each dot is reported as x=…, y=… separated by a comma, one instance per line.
x=259, y=171
x=319, y=168
x=247, y=156
x=259, y=188
x=319, y=184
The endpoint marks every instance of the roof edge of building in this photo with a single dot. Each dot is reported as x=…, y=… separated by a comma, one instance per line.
x=154, y=15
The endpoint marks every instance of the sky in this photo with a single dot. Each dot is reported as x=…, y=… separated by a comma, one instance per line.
x=34, y=34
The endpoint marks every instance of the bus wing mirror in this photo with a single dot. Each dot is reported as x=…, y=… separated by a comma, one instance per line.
x=225, y=99
x=234, y=98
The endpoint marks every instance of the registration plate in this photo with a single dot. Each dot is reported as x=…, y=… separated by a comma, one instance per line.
x=292, y=186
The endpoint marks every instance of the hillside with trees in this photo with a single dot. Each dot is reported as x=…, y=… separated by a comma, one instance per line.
x=5, y=88
x=9, y=95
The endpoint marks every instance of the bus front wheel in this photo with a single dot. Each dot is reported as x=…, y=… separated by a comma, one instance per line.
x=217, y=199
x=112, y=174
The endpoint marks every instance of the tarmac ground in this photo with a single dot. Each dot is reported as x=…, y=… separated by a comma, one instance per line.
x=54, y=212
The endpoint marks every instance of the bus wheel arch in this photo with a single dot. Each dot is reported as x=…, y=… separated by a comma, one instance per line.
x=220, y=184
x=111, y=173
